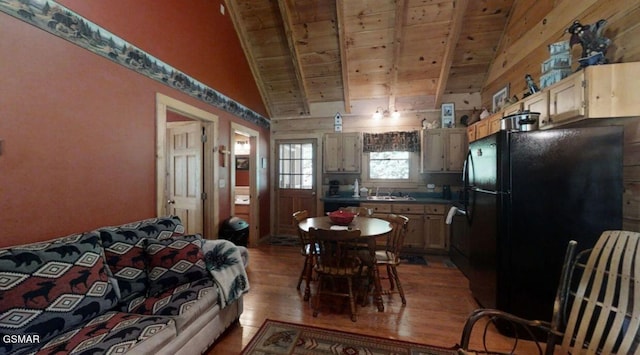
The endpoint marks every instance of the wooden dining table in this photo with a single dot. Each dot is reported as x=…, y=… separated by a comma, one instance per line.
x=370, y=229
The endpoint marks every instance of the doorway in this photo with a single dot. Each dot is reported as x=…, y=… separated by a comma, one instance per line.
x=199, y=183
x=244, y=178
x=295, y=184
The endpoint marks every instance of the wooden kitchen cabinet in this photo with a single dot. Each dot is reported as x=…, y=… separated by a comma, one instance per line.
x=444, y=150
x=597, y=91
x=494, y=123
x=511, y=109
x=378, y=210
x=426, y=230
x=538, y=102
x=471, y=133
x=435, y=231
x=482, y=127
x=342, y=152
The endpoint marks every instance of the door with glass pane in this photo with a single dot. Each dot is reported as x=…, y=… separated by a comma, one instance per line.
x=295, y=181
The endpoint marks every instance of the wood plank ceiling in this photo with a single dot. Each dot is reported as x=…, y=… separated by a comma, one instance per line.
x=354, y=56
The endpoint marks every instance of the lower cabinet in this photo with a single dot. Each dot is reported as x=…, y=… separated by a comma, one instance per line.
x=426, y=232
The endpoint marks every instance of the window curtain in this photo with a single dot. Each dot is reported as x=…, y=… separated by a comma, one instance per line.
x=391, y=142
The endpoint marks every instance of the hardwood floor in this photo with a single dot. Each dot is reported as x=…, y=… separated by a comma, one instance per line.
x=438, y=302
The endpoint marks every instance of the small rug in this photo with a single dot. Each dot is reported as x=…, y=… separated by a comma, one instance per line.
x=275, y=337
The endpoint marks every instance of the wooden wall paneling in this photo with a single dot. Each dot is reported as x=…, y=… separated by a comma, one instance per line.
x=524, y=57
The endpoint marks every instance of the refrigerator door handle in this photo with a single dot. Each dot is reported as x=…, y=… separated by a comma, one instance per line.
x=476, y=189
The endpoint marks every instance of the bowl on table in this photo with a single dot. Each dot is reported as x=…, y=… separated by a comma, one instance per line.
x=342, y=218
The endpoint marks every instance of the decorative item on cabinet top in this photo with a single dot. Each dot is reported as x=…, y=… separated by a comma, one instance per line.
x=500, y=98
x=448, y=115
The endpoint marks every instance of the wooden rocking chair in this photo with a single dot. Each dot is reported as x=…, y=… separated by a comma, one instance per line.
x=603, y=307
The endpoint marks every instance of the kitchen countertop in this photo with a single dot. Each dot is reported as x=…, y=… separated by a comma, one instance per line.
x=418, y=198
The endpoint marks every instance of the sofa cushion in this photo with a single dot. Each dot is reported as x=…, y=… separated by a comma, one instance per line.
x=114, y=333
x=174, y=261
x=157, y=228
x=50, y=287
x=124, y=250
x=184, y=303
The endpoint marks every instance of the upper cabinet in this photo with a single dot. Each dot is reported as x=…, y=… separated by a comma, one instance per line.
x=443, y=150
x=538, y=102
x=598, y=91
x=342, y=152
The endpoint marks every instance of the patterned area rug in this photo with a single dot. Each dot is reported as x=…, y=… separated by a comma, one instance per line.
x=277, y=338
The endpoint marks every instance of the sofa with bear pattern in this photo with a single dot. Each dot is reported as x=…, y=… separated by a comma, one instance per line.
x=144, y=288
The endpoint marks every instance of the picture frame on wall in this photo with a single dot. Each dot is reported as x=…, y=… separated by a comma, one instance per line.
x=242, y=163
x=499, y=98
x=448, y=115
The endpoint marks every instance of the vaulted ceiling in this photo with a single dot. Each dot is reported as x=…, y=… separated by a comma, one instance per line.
x=354, y=56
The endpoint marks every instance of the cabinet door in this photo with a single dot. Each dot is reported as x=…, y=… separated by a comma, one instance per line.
x=566, y=99
x=456, y=150
x=434, y=228
x=433, y=151
x=512, y=109
x=539, y=102
x=471, y=133
x=351, y=152
x=332, y=153
x=414, y=240
x=482, y=128
x=494, y=123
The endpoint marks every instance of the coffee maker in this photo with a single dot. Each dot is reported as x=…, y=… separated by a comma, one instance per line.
x=334, y=188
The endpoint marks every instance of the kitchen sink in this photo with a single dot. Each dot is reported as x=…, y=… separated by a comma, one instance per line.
x=390, y=198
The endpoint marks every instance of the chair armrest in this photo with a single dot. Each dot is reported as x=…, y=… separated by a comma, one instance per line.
x=494, y=314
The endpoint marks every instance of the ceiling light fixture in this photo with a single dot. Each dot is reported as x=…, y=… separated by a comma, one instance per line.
x=377, y=115
x=380, y=112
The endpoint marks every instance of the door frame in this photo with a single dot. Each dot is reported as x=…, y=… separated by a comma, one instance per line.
x=275, y=136
x=254, y=179
x=209, y=168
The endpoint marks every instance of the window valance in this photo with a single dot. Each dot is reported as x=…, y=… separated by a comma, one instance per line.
x=391, y=142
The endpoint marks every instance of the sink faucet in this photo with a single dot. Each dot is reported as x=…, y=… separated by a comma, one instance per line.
x=377, y=190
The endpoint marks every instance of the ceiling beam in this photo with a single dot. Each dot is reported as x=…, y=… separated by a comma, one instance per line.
x=343, y=54
x=234, y=13
x=293, y=49
x=401, y=10
x=460, y=8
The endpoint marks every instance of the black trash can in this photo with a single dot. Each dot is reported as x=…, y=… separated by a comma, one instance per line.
x=235, y=230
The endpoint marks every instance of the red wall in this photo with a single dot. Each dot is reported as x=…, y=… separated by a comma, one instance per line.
x=78, y=133
x=192, y=36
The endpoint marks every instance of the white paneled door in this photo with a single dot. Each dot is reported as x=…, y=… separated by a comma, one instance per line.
x=184, y=180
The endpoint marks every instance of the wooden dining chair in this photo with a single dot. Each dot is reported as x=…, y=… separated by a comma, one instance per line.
x=596, y=309
x=306, y=250
x=334, y=262
x=389, y=257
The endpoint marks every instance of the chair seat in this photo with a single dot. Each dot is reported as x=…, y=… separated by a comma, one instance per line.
x=386, y=257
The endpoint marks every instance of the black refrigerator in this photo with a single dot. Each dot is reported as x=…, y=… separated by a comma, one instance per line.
x=526, y=195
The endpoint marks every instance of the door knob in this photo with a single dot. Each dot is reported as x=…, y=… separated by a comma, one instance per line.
x=171, y=202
